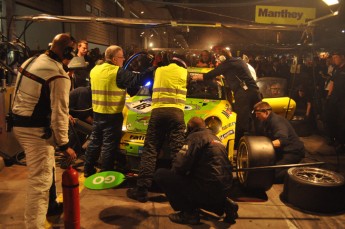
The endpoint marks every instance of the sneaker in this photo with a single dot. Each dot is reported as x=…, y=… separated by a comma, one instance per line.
x=138, y=193
x=231, y=209
x=55, y=209
x=88, y=173
x=183, y=217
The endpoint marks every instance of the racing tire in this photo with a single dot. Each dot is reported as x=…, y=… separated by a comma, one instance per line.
x=255, y=151
x=314, y=190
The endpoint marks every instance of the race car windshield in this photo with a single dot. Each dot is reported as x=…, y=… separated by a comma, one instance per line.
x=205, y=90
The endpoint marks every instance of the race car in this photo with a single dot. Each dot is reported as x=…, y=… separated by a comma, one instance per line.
x=210, y=101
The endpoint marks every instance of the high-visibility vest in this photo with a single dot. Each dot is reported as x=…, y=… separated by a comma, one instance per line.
x=107, y=98
x=170, y=87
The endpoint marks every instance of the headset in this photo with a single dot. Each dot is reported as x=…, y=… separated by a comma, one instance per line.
x=68, y=52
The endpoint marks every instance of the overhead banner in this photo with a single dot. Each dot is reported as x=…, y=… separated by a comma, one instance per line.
x=283, y=15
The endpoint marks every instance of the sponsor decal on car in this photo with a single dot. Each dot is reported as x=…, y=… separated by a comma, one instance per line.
x=223, y=136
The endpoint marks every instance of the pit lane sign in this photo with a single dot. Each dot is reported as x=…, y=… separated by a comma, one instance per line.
x=104, y=180
x=283, y=15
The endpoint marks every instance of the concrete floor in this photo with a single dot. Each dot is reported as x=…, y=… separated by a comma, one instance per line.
x=111, y=209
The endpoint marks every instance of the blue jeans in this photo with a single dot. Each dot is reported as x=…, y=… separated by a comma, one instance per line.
x=105, y=141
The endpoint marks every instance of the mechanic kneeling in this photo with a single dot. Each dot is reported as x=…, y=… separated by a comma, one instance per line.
x=289, y=149
x=201, y=177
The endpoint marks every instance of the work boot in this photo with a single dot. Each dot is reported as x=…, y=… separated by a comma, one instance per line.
x=231, y=209
x=138, y=193
x=184, y=217
x=55, y=208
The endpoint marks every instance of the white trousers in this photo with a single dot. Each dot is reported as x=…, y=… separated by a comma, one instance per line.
x=40, y=162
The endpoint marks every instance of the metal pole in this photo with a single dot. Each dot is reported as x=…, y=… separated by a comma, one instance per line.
x=269, y=167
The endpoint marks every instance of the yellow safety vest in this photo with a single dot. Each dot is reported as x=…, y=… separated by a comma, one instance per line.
x=170, y=87
x=107, y=98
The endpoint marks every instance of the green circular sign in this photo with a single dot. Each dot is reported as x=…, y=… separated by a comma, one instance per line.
x=104, y=180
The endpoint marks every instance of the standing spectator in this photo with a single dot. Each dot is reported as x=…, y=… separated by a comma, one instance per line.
x=284, y=68
x=336, y=102
x=40, y=110
x=166, y=123
x=288, y=148
x=205, y=60
x=303, y=102
x=241, y=83
x=273, y=68
x=326, y=75
x=82, y=76
x=201, y=177
x=108, y=85
x=158, y=61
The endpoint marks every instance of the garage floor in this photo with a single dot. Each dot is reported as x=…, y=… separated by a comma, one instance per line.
x=111, y=209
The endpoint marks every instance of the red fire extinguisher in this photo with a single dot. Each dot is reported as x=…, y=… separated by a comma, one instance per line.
x=70, y=193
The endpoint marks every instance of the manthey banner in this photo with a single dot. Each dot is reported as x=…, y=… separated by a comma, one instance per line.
x=283, y=15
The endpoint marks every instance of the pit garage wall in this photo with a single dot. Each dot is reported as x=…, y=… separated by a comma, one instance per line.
x=39, y=34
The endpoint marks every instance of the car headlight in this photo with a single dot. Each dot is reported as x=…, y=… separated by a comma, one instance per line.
x=213, y=123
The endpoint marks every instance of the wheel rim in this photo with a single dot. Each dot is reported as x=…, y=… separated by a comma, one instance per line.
x=242, y=161
x=317, y=176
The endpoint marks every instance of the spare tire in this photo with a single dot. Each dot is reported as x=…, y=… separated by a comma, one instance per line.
x=314, y=190
x=255, y=151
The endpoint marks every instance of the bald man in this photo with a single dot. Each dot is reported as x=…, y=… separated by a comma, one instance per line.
x=40, y=113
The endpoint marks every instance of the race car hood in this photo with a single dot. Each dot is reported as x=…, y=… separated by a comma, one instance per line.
x=139, y=111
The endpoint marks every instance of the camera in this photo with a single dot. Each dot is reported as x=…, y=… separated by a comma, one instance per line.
x=9, y=122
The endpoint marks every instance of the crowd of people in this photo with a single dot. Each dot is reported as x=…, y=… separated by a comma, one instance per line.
x=49, y=96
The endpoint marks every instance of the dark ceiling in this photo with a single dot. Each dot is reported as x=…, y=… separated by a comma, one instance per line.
x=325, y=33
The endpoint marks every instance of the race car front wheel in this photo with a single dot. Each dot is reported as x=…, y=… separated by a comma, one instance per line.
x=255, y=151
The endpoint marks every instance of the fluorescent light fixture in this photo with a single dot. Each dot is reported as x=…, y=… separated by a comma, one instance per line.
x=331, y=2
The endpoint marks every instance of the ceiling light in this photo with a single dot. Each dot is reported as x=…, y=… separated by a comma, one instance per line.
x=142, y=12
x=331, y=2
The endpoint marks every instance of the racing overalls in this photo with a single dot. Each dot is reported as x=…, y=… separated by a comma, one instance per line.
x=166, y=123
x=40, y=110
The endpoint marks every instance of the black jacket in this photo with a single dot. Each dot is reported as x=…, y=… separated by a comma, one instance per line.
x=277, y=127
x=234, y=70
x=204, y=159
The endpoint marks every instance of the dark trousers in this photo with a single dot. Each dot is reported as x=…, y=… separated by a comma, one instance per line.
x=284, y=159
x=166, y=125
x=105, y=140
x=185, y=194
x=244, y=104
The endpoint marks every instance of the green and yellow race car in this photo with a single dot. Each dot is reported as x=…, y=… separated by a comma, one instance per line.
x=203, y=99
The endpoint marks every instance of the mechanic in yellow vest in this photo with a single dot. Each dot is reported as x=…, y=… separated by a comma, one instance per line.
x=108, y=85
x=166, y=123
